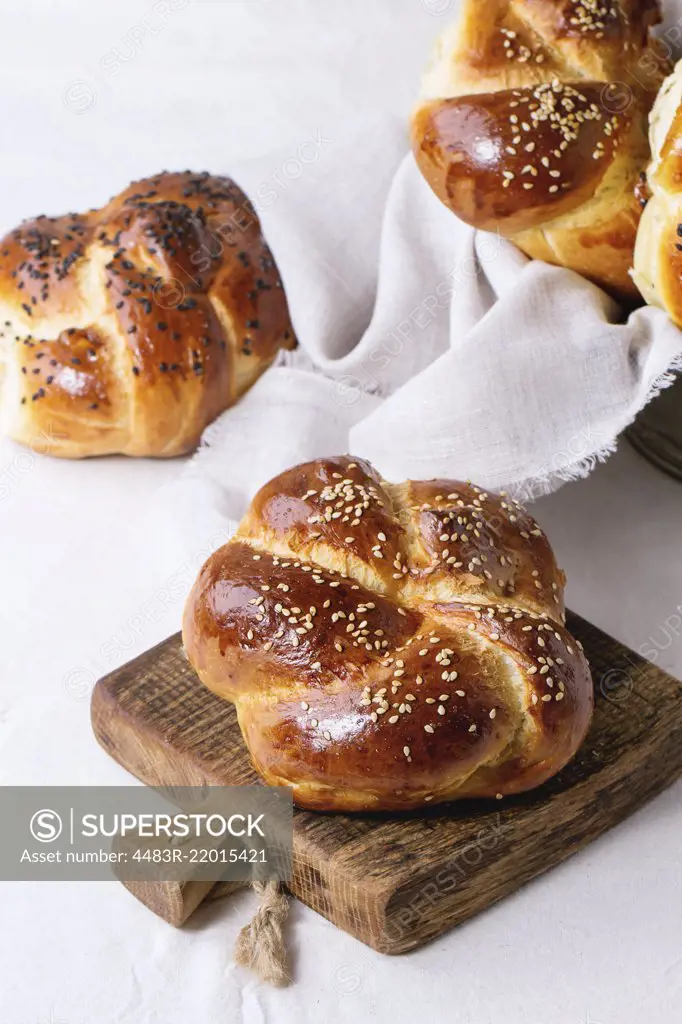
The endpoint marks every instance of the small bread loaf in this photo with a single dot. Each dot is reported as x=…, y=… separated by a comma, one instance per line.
x=388, y=646
x=658, y=254
x=130, y=328
x=532, y=122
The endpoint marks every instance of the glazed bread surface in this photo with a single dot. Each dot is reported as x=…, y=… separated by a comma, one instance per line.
x=658, y=254
x=128, y=329
x=388, y=646
x=533, y=122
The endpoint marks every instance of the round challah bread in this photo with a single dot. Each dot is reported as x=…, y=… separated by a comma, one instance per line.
x=130, y=328
x=658, y=253
x=532, y=123
x=390, y=645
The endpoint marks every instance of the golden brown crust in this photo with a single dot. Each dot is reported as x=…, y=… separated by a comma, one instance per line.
x=372, y=668
x=658, y=255
x=533, y=123
x=518, y=158
x=175, y=299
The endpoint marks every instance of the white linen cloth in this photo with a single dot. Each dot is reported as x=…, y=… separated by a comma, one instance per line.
x=425, y=346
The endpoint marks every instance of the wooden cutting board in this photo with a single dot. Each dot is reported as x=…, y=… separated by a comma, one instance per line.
x=397, y=881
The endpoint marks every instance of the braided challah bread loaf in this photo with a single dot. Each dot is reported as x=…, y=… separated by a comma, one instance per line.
x=658, y=253
x=387, y=646
x=532, y=122
x=129, y=328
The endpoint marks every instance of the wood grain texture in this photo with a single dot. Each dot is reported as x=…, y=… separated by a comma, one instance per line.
x=175, y=902
x=397, y=881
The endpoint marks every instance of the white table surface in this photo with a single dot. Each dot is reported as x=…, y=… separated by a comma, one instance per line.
x=597, y=940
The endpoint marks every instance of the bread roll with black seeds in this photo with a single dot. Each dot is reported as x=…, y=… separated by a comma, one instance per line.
x=390, y=646
x=128, y=329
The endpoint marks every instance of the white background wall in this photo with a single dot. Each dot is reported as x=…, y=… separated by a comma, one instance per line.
x=95, y=93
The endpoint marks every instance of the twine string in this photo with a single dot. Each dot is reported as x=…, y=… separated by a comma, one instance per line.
x=260, y=945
